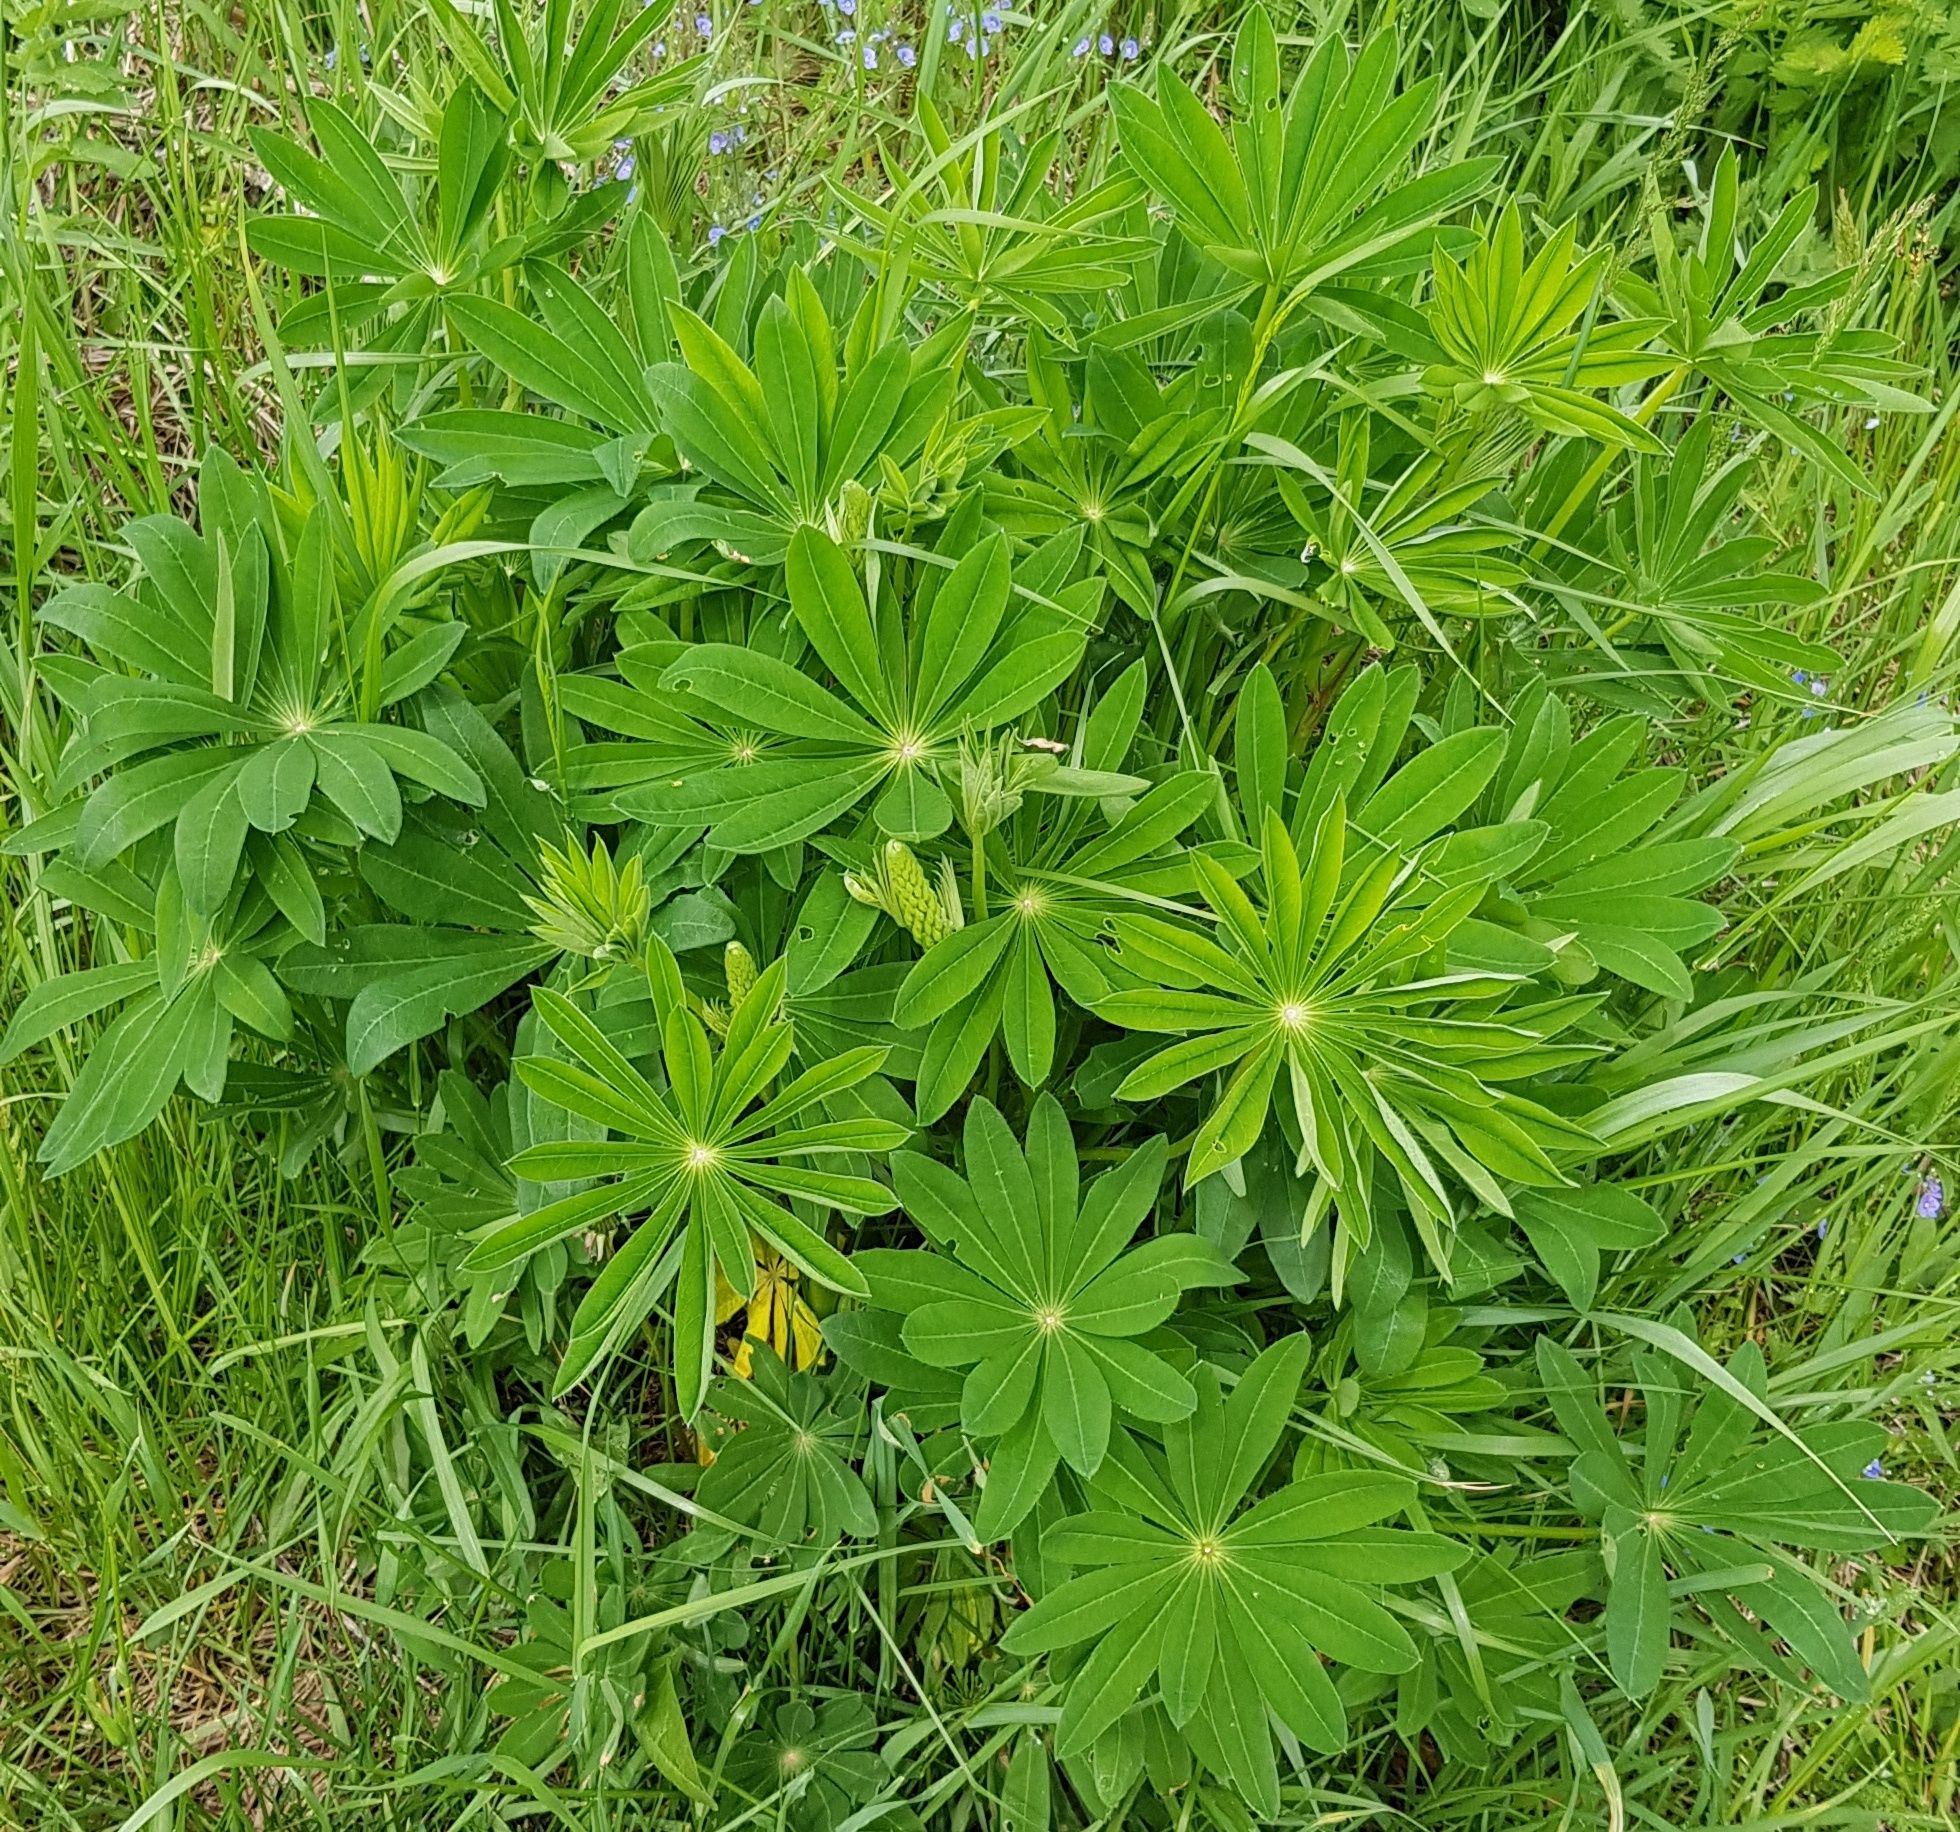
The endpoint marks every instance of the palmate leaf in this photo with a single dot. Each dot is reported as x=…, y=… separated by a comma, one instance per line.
x=1518, y=334
x=890, y=726
x=1229, y=1607
x=1597, y=894
x=1034, y=1289
x=240, y=719
x=985, y=220
x=1723, y=314
x=1303, y=194
x=792, y=438
x=1111, y=452
x=998, y=976
x=1420, y=525
x=707, y=1160
x=1719, y=1502
x=360, y=228
x=1324, y=1002
x=180, y=1006
x=1557, y=828
x=1678, y=569
x=782, y=1464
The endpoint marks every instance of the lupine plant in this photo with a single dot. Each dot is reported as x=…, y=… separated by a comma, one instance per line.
x=996, y=882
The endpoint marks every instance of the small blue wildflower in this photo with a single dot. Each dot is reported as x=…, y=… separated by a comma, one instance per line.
x=870, y=57
x=718, y=143
x=1130, y=50
x=1819, y=686
x=623, y=167
x=955, y=29
x=1874, y=1471
x=990, y=23
x=715, y=233
x=1800, y=677
x=1080, y=48
x=1106, y=45
x=333, y=56
x=703, y=25
x=907, y=57
x=1823, y=1226
x=1738, y=1259
x=659, y=46
x=1932, y=1200
x=847, y=37
x=848, y=8
x=755, y=222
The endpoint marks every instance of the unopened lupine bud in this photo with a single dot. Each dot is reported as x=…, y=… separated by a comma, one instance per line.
x=913, y=900
x=739, y=965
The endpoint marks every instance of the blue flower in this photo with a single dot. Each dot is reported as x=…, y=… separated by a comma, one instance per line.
x=1823, y=1226
x=1080, y=48
x=907, y=57
x=704, y=25
x=847, y=37
x=990, y=22
x=715, y=233
x=718, y=143
x=1130, y=50
x=755, y=222
x=1932, y=1200
x=1799, y=677
x=1874, y=1471
x=954, y=30
x=848, y=8
x=870, y=57
x=1106, y=45
x=623, y=167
